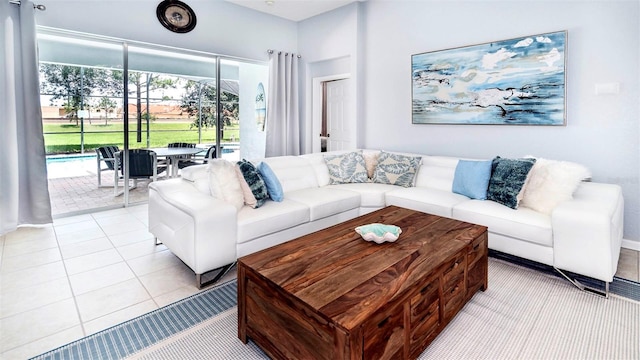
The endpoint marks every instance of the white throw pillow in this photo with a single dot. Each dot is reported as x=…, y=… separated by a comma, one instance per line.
x=552, y=182
x=224, y=184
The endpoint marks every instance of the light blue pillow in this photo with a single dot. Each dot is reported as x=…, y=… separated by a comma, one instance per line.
x=471, y=178
x=271, y=180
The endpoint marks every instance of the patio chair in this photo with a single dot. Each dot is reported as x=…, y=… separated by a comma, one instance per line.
x=106, y=154
x=185, y=160
x=210, y=154
x=143, y=164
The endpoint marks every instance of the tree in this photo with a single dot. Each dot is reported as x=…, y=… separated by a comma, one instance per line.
x=199, y=101
x=75, y=84
x=144, y=83
x=108, y=106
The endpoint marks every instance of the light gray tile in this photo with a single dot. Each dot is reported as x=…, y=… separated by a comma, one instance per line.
x=131, y=237
x=85, y=247
x=28, y=298
x=43, y=345
x=92, y=261
x=124, y=227
x=151, y=263
x=30, y=326
x=176, y=295
x=76, y=227
x=26, y=261
x=30, y=233
x=168, y=279
x=117, y=317
x=80, y=236
x=32, y=276
x=116, y=219
x=109, y=213
x=140, y=249
x=100, y=278
x=98, y=303
x=28, y=246
x=72, y=219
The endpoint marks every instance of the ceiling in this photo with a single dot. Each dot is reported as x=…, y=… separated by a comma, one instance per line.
x=295, y=10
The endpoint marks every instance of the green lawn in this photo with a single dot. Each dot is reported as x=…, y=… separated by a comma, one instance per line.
x=65, y=138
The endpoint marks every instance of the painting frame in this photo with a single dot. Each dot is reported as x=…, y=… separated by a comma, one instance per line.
x=517, y=81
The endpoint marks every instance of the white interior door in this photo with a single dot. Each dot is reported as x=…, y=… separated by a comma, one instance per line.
x=339, y=124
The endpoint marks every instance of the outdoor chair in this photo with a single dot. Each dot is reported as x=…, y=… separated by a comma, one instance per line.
x=143, y=164
x=106, y=154
x=210, y=154
x=184, y=160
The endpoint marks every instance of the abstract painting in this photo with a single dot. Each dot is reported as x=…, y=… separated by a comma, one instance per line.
x=518, y=81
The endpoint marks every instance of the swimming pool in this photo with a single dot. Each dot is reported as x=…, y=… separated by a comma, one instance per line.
x=71, y=157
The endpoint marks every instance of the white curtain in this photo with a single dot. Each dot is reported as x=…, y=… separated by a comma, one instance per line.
x=24, y=195
x=283, y=116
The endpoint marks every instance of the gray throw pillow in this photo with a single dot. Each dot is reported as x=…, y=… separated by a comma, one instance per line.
x=507, y=179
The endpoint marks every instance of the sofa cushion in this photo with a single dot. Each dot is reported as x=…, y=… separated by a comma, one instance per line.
x=325, y=201
x=270, y=218
x=552, y=182
x=432, y=201
x=294, y=172
x=223, y=182
x=471, y=178
x=437, y=172
x=371, y=194
x=508, y=176
x=524, y=224
x=396, y=169
x=346, y=168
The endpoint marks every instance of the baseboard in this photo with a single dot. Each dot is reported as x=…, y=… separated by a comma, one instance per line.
x=631, y=245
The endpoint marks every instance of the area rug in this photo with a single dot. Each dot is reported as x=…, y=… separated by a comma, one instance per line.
x=524, y=314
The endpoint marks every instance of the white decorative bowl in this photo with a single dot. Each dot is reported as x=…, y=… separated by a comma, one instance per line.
x=379, y=233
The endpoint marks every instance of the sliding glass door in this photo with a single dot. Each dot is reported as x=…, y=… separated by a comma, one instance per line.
x=99, y=91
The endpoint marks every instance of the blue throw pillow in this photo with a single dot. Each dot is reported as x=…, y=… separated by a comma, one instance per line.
x=271, y=180
x=507, y=179
x=471, y=178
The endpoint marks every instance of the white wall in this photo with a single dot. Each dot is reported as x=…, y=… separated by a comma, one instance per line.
x=222, y=28
x=603, y=46
x=329, y=45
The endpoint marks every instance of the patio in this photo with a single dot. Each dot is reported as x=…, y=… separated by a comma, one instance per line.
x=73, y=188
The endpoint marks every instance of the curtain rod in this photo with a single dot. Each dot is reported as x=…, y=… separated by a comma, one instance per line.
x=39, y=7
x=280, y=52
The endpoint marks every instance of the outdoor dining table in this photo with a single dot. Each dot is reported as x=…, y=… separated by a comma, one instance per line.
x=173, y=154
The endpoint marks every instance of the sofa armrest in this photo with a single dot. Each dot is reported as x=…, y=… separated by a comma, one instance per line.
x=198, y=228
x=587, y=231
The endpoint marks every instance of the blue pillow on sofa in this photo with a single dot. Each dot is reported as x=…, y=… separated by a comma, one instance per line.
x=471, y=178
x=274, y=189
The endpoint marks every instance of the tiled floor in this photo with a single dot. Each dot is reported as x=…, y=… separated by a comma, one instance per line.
x=88, y=272
x=81, y=275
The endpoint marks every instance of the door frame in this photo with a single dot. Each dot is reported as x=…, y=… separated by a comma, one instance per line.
x=316, y=117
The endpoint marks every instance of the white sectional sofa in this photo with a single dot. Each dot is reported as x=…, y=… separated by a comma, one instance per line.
x=582, y=235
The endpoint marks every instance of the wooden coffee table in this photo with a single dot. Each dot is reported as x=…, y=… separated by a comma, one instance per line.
x=332, y=295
